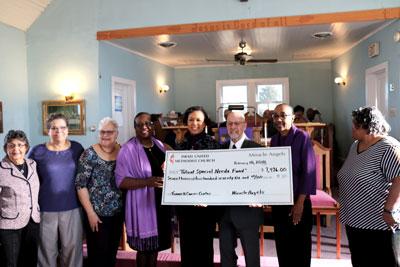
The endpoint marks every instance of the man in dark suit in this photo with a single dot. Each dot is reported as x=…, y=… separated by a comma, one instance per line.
x=244, y=220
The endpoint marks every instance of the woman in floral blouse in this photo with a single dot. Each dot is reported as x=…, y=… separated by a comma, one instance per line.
x=100, y=197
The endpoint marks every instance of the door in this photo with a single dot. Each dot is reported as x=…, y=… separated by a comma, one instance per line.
x=377, y=87
x=124, y=107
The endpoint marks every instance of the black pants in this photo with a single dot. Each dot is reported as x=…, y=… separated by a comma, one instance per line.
x=102, y=246
x=373, y=247
x=248, y=227
x=293, y=242
x=196, y=229
x=20, y=247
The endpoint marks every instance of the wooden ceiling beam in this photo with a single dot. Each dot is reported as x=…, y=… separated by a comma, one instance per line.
x=366, y=15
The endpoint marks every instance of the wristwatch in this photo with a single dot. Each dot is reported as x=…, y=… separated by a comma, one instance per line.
x=389, y=211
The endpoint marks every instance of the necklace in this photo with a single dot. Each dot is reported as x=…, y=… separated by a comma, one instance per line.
x=60, y=148
x=21, y=167
x=150, y=146
x=102, y=149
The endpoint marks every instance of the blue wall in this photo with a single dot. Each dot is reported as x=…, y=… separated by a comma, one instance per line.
x=13, y=81
x=196, y=86
x=349, y=97
x=62, y=45
x=118, y=62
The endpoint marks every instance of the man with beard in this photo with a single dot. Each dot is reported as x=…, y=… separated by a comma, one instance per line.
x=242, y=219
x=293, y=223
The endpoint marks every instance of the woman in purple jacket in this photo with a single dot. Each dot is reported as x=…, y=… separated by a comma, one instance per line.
x=19, y=209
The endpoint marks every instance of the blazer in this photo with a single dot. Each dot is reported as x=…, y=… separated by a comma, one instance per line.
x=243, y=216
x=18, y=195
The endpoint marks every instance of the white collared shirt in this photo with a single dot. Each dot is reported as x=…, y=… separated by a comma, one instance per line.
x=239, y=143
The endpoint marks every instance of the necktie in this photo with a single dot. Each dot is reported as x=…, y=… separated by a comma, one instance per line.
x=233, y=147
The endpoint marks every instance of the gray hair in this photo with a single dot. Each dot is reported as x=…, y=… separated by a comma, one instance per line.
x=108, y=120
x=15, y=134
x=370, y=119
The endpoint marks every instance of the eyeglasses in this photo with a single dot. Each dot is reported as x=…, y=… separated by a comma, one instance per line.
x=101, y=132
x=11, y=146
x=282, y=115
x=55, y=129
x=147, y=124
x=236, y=123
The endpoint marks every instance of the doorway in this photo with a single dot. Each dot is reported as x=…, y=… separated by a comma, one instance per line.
x=124, y=107
x=376, y=87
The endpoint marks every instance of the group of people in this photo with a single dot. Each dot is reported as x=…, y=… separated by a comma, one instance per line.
x=42, y=195
x=312, y=114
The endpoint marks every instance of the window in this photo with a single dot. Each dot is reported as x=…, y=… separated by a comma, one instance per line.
x=258, y=94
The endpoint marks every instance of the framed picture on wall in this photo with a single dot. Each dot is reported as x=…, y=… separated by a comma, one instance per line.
x=74, y=110
x=1, y=117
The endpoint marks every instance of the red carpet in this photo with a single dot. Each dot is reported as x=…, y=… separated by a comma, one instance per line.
x=127, y=258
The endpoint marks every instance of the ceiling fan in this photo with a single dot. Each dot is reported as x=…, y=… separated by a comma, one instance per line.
x=243, y=57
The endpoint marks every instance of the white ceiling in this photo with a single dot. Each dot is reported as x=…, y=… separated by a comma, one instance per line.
x=21, y=13
x=287, y=44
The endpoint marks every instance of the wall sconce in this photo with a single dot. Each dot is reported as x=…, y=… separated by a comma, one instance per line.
x=340, y=80
x=68, y=89
x=163, y=88
x=69, y=97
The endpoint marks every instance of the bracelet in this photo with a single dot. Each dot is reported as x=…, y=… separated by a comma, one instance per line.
x=92, y=213
x=389, y=211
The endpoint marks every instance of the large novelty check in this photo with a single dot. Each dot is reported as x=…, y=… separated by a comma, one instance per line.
x=228, y=177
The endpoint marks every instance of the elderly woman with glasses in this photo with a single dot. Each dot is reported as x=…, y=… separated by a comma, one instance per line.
x=140, y=170
x=19, y=208
x=100, y=197
x=369, y=189
x=61, y=214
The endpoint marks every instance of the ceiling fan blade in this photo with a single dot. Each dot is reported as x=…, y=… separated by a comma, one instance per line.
x=271, y=60
x=226, y=60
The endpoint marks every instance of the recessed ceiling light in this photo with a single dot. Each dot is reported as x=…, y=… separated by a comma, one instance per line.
x=167, y=44
x=322, y=35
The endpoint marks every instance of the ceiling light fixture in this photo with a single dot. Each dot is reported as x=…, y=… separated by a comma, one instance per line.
x=322, y=35
x=167, y=44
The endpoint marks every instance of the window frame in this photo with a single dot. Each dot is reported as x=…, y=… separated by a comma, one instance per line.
x=251, y=91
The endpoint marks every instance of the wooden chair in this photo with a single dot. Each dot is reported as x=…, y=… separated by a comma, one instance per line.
x=322, y=202
x=250, y=118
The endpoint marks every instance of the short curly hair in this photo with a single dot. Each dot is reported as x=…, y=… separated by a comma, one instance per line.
x=15, y=134
x=55, y=116
x=370, y=119
x=190, y=110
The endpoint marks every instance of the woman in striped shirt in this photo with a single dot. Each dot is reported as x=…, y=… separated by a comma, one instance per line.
x=369, y=187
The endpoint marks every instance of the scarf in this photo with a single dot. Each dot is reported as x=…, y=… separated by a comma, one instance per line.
x=140, y=208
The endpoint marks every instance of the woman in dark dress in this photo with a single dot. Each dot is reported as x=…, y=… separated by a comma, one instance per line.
x=197, y=223
x=139, y=169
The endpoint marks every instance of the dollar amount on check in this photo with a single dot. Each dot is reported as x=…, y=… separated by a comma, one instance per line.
x=228, y=177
